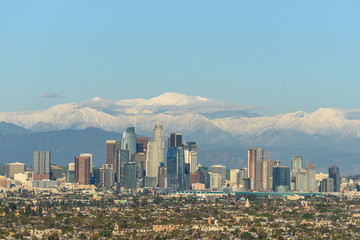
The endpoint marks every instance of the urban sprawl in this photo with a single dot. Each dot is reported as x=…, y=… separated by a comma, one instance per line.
x=136, y=194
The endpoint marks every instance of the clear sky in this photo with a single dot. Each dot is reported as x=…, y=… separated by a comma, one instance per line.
x=283, y=56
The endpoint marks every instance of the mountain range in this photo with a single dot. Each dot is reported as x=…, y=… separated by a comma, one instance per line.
x=326, y=136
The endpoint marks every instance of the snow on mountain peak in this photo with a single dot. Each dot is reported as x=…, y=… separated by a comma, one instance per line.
x=96, y=99
x=172, y=98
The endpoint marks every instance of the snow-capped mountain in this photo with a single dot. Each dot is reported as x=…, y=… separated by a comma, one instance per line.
x=192, y=115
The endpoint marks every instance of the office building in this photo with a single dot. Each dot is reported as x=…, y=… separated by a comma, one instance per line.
x=107, y=176
x=203, y=177
x=281, y=178
x=215, y=180
x=141, y=144
x=176, y=168
x=91, y=159
x=130, y=175
x=242, y=175
x=327, y=185
x=158, y=137
x=121, y=160
x=221, y=170
x=82, y=170
x=112, y=150
x=14, y=168
x=152, y=163
x=42, y=162
x=175, y=140
x=55, y=172
x=129, y=141
x=41, y=166
x=334, y=173
x=162, y=177
x=190, y=154
x=237, y=177
x=140, y=160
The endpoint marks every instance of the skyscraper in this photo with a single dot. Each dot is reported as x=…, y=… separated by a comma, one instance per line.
x=91, y=159
x=112, y=148
x=334, y=173
x=256, y=157
x=281, y=178
x=129, y=141
x=121, y=160
x=130, y=175
x=158, y=137
x=296, y=163
x=107, y=176
x=176, y=168
x=141, y=144
x=152, y=164
x=41, y=162
x=175, y=140
x=82, y=170
x=190, y=153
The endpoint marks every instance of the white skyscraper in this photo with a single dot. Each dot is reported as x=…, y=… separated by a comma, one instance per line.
x=190, y=154
x=158, y=136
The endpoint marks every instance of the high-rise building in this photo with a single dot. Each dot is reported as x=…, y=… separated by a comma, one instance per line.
x=112, y=149
x=190, y=154
x=107, y=176
x=175, y=140
x=158, y=137
x=129, y=141
x=140, y=160
x=281, y=178
x=256, y=157
x=296, y=163
x=41, y=165
x=130, y=175
x=242, y=176
x=152, y=163
x=327, y=185
x=234, y=177
x=121, y=160
x=141, y=144
x=82, y=170
x=203, y=176
x=162, y=177
x=221, y=170
x=176, y=168
x=91, y=159
x=305, y=179
x=42, y=162
x=215, y=180
x=14, y=168
x=334, y=173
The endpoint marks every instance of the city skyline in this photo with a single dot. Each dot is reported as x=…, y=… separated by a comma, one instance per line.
x=298, y=56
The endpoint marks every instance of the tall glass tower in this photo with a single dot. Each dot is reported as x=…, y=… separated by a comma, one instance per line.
x=129, y=141
x=176, y=168
x=334, y=173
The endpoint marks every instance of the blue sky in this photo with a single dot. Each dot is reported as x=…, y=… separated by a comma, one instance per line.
x=283, y=56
